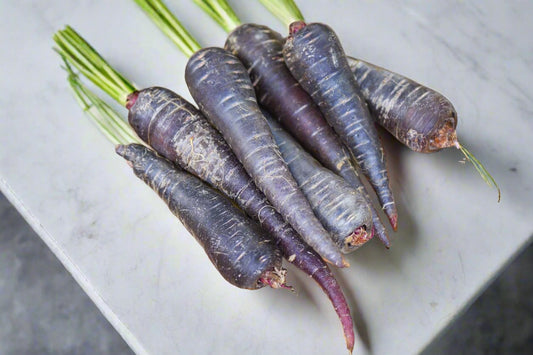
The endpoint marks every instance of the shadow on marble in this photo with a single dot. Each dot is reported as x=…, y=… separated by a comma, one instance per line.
x=42, y=309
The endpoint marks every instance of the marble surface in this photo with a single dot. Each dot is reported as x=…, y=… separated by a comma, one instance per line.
x=151, y=279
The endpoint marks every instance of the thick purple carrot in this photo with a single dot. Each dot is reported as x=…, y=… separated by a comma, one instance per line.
x=220, y=85
x=239, y=249
x=419, y=117
x=343, y=210
x=260, y=49
x=187, y=119
x=316, y=59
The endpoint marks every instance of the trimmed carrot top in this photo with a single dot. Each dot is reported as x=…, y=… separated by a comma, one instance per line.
x=221, y=12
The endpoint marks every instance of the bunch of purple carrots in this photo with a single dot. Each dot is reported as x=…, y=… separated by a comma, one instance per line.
x=266, y=165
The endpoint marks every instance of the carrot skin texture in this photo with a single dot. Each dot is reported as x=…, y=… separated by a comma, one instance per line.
x=178, y=131
x=237, y=247
x=220, y=85
x=260, y=49
x=316, y=59
x=419, y=117
x=343, y=210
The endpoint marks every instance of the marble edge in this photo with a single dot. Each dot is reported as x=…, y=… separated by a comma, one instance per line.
x=463, y=308
x=72, y=268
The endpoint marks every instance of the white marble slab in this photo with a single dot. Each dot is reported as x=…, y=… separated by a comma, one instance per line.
x=152, y=281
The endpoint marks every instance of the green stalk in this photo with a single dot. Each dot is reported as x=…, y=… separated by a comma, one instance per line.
x=285, y=10
x=480, y=168
x=72, y=47
x=106, y=119
x=170, y=25
x=221, y=12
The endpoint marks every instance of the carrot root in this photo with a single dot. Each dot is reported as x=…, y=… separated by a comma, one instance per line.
x=276, y=279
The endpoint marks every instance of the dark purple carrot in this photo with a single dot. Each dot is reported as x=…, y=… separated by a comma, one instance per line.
x=343, y=210
x=316, y=59
x=187, y=125
x=419, y=117
x=239, y=249
x=220, y=85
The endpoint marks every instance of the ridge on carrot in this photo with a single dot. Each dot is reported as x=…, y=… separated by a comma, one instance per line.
x=222, y=89
x=260, y=50
x=186, y=138
x=240, y=251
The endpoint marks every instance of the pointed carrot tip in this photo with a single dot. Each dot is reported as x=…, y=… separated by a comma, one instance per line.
x=339, y=263
x=350, y=342
x=380, y=232
x=393, y=219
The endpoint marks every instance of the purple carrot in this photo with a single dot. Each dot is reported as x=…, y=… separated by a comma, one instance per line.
x=419, y=117
x=220, y=85
x=316, y=59
x=238, y=248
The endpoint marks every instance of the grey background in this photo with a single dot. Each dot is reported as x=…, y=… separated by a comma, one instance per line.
x=44, y=311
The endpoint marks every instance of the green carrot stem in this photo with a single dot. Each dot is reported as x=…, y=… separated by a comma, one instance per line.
x=170, y=25
x=221, y=12
x=106, y=119
x=72, y=47
x=285, y=10
x=480, y=168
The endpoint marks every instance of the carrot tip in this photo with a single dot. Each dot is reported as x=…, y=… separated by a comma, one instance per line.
x=340, y=263
x=392, y=215
x=379, y=230
x=350, y=341
x=345, y=263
